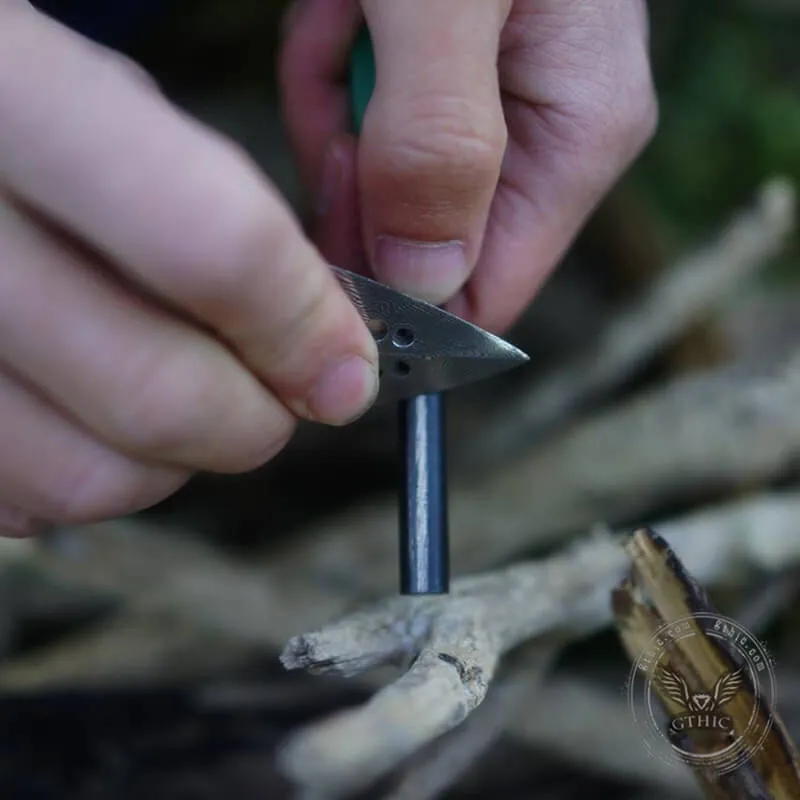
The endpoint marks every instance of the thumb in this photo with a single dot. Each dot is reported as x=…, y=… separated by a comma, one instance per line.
x=432, y=141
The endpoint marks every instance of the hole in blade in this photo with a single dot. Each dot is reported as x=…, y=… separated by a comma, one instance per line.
x=378, y=328
x=403, y=337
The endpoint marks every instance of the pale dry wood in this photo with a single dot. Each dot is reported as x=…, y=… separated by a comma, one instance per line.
x=592, y=728
x=155, y=571
x=439, y=766
x=684, y=293
x=454, y=644
x=164, y=575
x=127, y=649
x=158, y=574
x=763, y=324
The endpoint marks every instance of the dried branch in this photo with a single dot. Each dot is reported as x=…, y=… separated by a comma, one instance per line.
x=657, y=591
x=454, y=643
x=163, y=576
x=445, y=761
x=763, y=324
x=126, y=649
x=154, y=574
x=562, y=721
x=154, y=571
x=680, y=296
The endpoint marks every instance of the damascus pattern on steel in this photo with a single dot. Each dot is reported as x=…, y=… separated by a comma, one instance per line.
x=424, y=349
x=349, y=286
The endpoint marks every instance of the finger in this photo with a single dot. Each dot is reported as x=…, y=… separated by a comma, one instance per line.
x=182, y=211
x=16, y=524
x=337, y=228
x=313, y=77
x=536, y=216
x=53, y=472
x=567, y=146
x=138, y=378
x=432, y=141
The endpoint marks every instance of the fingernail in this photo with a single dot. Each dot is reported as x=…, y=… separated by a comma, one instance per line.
x=17, y=524
x=331, y=179
x=345, y=391
x=432, y=271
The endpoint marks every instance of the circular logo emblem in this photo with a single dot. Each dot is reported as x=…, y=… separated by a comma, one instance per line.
x=690, y=710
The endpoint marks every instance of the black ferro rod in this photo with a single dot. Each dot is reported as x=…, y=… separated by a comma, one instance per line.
x=424, y=537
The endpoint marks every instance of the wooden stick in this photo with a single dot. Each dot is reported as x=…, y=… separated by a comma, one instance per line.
x=455, y=643
x=695, y=285
x=753, y=757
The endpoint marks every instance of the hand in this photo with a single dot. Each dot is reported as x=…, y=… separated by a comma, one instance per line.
x=160, y=310
x=495, y=128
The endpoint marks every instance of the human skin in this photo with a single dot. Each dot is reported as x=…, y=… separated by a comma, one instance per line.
x=495, y=128
x=161, y=309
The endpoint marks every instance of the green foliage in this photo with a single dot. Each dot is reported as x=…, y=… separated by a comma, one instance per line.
x=730, y=111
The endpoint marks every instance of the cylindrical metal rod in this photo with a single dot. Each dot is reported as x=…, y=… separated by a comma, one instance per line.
x=424, y=539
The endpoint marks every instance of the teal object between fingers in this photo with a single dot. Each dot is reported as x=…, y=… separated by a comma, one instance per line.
x=362, y=77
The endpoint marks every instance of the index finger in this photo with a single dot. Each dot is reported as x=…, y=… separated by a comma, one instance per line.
x=170, y=203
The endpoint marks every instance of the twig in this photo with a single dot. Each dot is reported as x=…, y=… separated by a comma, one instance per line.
x=125, y=649
x=161, y=574
x=563, y=721
x=456, y=642
x=753, y=755
x=155, y=573
x=680, y=296
x=442, y=764
x=763, y=323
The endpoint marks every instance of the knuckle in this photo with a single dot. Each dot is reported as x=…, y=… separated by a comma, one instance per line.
x=79, y=494
x=260, y=445
x=623, y=115
x=176, y=409
x=16, y=523
x=226, y=242
x=302, y=319
x=126, y=67
x=86, y=493
x=106, y=486
x=618, y=124
x=447, y=142
x=163, y=405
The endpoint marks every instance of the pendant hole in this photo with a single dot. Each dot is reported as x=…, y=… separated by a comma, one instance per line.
x=403, y=337
x=378, y=328
x=402, y=368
